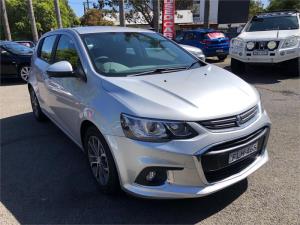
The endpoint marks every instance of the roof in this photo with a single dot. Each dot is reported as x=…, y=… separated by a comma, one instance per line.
x=102, y=29
x=200, y=30
x=277, y=13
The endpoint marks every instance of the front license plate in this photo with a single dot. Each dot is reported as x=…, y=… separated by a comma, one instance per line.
x=242, y=153
x=260, y=53
x=219, y=50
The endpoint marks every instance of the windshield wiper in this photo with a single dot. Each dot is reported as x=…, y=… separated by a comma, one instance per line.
x=158, y=70
x=194, y=63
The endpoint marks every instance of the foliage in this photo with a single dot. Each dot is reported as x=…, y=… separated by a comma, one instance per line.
x=17, y=12
x=255, y=7
x=283, y=4
x=144, y=7
x=94, y=17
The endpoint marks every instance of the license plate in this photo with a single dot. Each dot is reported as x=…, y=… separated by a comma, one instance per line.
x=260, y=53
x=219, y=50
x=242, y=153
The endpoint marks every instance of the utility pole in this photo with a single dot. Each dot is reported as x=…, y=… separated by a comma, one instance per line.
x=57, y=12
x=5, y=21
x=206, y=13
x=156, y=14
x=32, y=21
x=122, y=13
x=86, y=6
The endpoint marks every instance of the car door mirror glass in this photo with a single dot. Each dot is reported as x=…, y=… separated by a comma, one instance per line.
x=61, y=69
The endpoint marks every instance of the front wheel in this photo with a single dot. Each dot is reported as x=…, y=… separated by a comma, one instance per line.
x=101, y=161
x=293, y=67
x=237, y=66
x=222, y=57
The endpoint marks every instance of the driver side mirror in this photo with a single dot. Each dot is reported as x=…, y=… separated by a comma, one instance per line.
x=61, y=69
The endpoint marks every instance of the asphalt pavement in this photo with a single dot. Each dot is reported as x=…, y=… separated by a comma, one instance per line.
x=45, y=178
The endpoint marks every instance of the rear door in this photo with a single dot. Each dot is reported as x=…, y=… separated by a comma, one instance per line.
x=8, y=63
x=191, y=38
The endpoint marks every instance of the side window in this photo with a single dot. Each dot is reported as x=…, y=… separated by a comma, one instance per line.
x=47, y=47
x=66, y=51
x=190, y=36
x=179, y=38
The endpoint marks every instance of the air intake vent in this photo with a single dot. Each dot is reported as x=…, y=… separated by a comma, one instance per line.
x=230, y=122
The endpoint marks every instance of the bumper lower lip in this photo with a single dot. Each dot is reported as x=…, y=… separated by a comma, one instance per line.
x=171, y=191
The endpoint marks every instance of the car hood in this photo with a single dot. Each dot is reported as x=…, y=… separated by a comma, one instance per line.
x=197, y=94
x=191, y=48
x=271, y=34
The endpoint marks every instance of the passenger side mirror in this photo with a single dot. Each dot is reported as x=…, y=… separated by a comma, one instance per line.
x=61, y=69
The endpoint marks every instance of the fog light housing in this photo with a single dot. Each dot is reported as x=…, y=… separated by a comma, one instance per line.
x=154, y=176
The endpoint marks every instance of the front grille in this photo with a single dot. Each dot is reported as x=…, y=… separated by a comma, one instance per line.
x=262, y=45
x=230, y=122
x=215, y=160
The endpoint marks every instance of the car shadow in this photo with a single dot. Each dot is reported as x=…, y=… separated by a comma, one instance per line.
x=264, y=74
x=46, y=179
x=11, y=81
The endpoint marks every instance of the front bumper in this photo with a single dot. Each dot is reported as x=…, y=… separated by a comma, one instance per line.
x=277, y=56
x=132, y=157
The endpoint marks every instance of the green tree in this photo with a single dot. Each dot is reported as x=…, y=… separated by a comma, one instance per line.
x=17, y=11
x=255, y=7
x=94, y=17
x=283, y=4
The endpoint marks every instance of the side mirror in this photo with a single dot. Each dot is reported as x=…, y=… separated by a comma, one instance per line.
x=61, y=69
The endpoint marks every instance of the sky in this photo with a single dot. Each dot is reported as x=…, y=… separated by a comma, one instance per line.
x=77, y=5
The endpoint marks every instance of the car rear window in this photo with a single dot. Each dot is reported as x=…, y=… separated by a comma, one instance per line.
x=214, y=35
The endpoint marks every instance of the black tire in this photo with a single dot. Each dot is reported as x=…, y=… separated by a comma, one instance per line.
x=36, y=109
x=222, y=57
x=109, y=185
x=293, y=67
x=237, y=66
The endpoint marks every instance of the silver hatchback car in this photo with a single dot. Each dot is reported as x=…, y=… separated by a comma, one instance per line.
x=152, y=118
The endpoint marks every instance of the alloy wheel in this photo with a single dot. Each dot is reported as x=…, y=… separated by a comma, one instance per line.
x=24, y=72
x=98, y=160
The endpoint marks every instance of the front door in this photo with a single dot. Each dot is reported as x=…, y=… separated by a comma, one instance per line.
x=8, y=63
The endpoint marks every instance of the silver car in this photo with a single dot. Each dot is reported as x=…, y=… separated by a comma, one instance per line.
x=151, y=117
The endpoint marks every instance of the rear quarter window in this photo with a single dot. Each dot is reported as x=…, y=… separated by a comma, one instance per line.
x=46, y=48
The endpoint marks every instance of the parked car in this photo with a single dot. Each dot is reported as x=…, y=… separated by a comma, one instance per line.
x=28, y=44
x=15, y=60
x=268, y=38
x=212, y=42
x=151, y=117
x=195, y=51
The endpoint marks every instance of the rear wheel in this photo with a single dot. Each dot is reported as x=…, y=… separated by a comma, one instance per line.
x=237, y=66
x=36, y=109
x=222, y=57
x=24, y=72
x=101, y=161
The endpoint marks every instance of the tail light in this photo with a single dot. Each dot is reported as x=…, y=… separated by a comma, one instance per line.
x=205, y=42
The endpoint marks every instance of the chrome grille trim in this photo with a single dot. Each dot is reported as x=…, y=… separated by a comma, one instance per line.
x=230, y=122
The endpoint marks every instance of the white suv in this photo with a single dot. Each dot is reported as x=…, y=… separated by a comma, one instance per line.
x=268, y=38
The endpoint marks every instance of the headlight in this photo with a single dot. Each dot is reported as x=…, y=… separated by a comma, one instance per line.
x=272, y=45
x=238, y=43
x=290, y=42
x=250, y=45
x=155, y=130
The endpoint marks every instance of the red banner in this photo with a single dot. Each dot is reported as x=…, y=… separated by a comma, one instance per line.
x=168, y=19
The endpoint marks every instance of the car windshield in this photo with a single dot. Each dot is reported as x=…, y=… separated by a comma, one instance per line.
x=18, y=49
x=273, y=23
x=135, y=53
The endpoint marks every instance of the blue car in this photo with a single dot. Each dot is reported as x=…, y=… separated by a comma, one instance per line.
x=212, y=42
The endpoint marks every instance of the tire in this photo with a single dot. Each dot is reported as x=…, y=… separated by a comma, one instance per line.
x=36, y=109
x=222, y=57
x=237, y=66
x=101, y=161
x=293, y=67
x=24, y=72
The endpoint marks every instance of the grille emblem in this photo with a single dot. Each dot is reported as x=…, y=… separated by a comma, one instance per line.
x=238, y=120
